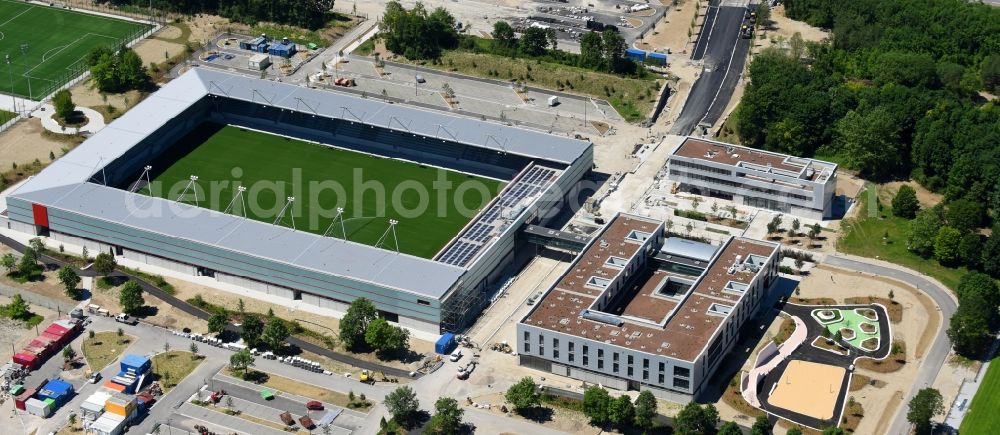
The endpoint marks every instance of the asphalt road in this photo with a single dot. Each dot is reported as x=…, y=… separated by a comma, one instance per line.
x=940, y=349
x=723, y=54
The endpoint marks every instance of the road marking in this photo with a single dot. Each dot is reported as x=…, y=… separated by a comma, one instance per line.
x=722, y=84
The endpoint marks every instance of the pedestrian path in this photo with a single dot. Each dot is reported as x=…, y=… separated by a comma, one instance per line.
x=95, y=121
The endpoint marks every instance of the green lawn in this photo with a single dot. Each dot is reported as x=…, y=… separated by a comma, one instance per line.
x=6, y=116
x=850, y=319
x=982, y=416
x=864, y=237
x=371, y=189
x=47, y=45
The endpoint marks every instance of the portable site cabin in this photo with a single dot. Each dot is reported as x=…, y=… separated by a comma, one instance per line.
x=111, y=385
x=445, y=344
x=37, y=407
x=258, y=44
x=93, y=407
x=20, y=402
x=58, y=390
x=285, y=48
x=108, y=424
x=121, y=404
x=654, y=58
x=26, y=360
x=259, y=61
x=636, y=54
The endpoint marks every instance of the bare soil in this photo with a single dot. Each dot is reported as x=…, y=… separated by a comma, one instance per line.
x=23, y=143
x=924, y=196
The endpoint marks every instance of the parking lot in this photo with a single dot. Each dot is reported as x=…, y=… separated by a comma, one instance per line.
x=224, y=52
x=473, y=96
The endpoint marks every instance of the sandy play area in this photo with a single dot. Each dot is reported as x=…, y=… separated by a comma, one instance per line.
x=809, y=388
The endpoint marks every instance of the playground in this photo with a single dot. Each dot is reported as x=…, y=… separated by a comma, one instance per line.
x=857, y=326
x=809, y=388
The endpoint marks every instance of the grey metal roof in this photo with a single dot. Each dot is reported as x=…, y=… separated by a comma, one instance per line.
x=688, y=248
x=64, y=184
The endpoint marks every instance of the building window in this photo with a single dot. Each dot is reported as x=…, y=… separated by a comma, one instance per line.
x=614, y=357
x=629, y=371
x=614, y=368
x=645, y=363
x=527, y=347
x=527, y=336
x=586, y=360
x=600, y=364
x=661, y=379
x=630, y=359
x=683, y=372
x=600, y=353
x=571, y=346
x=572, y=357
x=423, y=302
x=682, y=383
x=555, y=352
x=663, y=367
x=645, y=375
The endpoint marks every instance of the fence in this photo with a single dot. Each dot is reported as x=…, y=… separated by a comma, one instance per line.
x=37, y=299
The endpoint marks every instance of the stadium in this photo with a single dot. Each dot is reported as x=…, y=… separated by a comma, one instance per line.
x=308, y=195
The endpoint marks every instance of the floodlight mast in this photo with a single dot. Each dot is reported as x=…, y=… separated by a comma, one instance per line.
x=281, y=213
x=191, y=185
x=343, y=228
x=391, y=229
x=144, y=175
x=243, y=201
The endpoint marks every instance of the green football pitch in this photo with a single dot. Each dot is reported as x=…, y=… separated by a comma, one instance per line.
x=46, y=45
x=372, y=190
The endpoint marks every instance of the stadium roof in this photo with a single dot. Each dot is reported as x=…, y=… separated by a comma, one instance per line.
x=65, y=184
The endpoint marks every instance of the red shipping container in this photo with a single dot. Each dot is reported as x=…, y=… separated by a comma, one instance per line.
x=56, y=329
x=23, y=397
x=28, y=360
x=55, y=338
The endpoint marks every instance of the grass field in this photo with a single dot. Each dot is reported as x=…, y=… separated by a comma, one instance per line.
x=47, y=45
x=6, y=116
x=982, y=416
x=371, y=189
x=864, y=237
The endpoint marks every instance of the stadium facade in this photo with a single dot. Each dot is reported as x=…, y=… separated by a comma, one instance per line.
x=79, y=199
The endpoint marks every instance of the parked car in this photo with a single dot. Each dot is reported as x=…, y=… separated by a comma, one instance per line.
x=314, y=405
x=456, y=355
x=420, y=79
x=126, y=319
x=94, y=377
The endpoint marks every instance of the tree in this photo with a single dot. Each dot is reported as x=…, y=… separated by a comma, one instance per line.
x=523, y=395
x=534, y=41
x=63, y=103
x=354, y=325
x=794, y=431
x=970, y=250
x=36, y=245
x=130, y=298
x=764, y=14
x=814, y=231
x=990, y=74
x=613, y=47
x=241, y=361
x=503, y=34
x=402, y=403
x=695, y=419
x=28, y=263
x=924, y=406
x=241, y=307
x=104, y=264
x=978, y=284
x=18, y=308
x=695, y=202
x=946, y=245
x=275, y=333
x=385, y=338
x=761, y=426
x=990, y=254
x=591, y=50
x=870, y=142
x=447, y=418
x=965, y=215
x=645, y=410
x=621, y=412
x=193, y=348
x=730, y=428
x=9, y=262
x=905, y=204
x=70, y=281
x=833, y=430
x=68, y=354
x=924, y=230
x=251, y=329
x=217, y=321
x=595, y=404
x=795, y=227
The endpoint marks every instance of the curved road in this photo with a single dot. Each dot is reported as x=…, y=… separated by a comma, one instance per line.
x=938, y=353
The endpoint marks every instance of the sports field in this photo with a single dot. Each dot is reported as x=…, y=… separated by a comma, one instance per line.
x=982, y=416
x=47, y=45
x=371, y=189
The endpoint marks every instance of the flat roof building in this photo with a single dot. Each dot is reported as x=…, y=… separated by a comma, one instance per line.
x=626, y=317
x=796, y=185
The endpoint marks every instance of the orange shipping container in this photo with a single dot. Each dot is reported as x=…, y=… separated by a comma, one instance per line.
x=120, y=404
x=114, y=386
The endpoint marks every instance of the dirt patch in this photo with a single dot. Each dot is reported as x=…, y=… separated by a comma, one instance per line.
x=734, y=399
x=157, y=51
x=562, y=419
x=160, y=313
x=672, y=32
x=894, y=308
x=634, y=22
x=926, y=198
x=169, y=32
x=891, y=364
x=859, y=381
x=23, y=143
x=786, y=27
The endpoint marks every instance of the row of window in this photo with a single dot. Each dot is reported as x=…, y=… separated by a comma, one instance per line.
x=681, y=375
x=705, y=168
x=744, y=187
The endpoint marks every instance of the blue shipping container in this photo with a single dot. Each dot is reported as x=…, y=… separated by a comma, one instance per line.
x=139, y=364
x=445, y=344
x=657, y=58
x=635, y=54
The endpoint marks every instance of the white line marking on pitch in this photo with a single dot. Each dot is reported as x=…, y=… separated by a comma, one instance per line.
x=18, y=15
